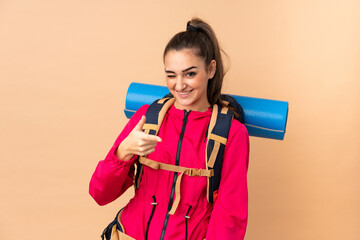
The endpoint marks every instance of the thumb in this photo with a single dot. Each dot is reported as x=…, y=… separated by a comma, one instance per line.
x=139, y=126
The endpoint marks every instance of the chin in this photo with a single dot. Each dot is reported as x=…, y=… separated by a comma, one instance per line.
x=184, y=104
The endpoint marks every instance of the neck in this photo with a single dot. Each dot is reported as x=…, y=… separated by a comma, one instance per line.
x=202, y=108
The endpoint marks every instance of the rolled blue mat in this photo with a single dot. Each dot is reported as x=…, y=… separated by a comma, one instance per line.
x=263, y=117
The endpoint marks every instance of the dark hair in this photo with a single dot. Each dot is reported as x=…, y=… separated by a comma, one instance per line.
x=200, y=37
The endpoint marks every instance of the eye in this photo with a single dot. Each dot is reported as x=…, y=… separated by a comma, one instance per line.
x=170, y=76
x=191, y=74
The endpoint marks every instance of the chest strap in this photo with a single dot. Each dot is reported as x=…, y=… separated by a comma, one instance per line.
x=193, y=172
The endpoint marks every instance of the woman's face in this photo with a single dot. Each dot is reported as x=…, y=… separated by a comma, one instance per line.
x=187, y=78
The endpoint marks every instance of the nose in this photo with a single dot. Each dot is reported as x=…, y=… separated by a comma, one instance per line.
x=180, y=84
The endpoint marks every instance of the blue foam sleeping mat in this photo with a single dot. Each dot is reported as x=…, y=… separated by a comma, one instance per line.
x=263, y=117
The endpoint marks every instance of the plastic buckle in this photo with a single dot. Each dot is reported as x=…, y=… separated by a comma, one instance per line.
x=195, y=172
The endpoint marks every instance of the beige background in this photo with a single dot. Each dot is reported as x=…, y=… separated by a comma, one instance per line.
x=65, y=67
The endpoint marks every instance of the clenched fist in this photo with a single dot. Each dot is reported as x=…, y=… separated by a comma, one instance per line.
x=137, y=143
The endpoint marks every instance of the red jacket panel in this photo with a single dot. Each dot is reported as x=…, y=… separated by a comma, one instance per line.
x=225, y=219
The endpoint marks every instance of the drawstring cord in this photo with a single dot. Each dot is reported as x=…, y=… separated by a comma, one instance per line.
x=186, y=224
x=151, y=215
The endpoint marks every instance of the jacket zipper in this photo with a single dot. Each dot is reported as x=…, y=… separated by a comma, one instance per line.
x=151, y=215
x=186, y=114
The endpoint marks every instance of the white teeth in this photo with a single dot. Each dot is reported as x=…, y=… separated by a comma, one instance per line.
x=183, y=93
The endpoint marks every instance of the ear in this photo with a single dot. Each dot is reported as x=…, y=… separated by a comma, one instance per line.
x=212, y=69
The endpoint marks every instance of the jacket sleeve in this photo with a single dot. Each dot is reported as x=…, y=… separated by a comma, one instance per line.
x=113, y=176
x=229, y=217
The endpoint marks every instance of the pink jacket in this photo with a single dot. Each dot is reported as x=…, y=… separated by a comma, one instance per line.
x=225, y=219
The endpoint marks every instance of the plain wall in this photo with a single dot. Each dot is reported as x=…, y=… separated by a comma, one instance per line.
x=65, y=67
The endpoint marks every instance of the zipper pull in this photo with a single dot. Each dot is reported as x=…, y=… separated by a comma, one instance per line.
x=187, y=213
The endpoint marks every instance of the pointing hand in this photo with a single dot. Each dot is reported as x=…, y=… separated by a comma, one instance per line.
x=137, y=143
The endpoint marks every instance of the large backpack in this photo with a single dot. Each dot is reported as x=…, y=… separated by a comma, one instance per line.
x=217, y=135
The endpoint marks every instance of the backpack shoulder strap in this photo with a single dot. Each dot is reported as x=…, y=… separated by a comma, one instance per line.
x=154, y=116
x=218, y=132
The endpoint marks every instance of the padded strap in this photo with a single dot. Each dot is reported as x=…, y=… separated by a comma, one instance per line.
x=164, y=109
x=219, y=126
x=155, y=115
x=210, y=157
x=116, y=234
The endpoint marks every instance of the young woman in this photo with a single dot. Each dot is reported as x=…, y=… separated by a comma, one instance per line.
x=194, y=76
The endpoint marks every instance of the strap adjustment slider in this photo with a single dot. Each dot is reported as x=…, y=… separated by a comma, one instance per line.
x=194, y=172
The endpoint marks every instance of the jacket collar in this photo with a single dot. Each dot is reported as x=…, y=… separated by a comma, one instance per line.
x=178, y=113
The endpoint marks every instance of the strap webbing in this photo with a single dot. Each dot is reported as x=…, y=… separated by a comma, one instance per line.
x=207, y=158
x=150, y=126
x=123, y=236
x=182, y=170
x=116, y=234
x=163, y=111
x=218, y=138
x=155, y=123
x=214, y=154
x=173, y=168
x=224, y=110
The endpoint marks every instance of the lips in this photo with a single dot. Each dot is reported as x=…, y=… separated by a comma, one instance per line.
x=183, y=94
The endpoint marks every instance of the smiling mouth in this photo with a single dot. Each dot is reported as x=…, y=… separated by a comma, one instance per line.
x=184, y=94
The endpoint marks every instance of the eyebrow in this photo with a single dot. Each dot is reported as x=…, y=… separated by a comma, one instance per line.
x=185, y=70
